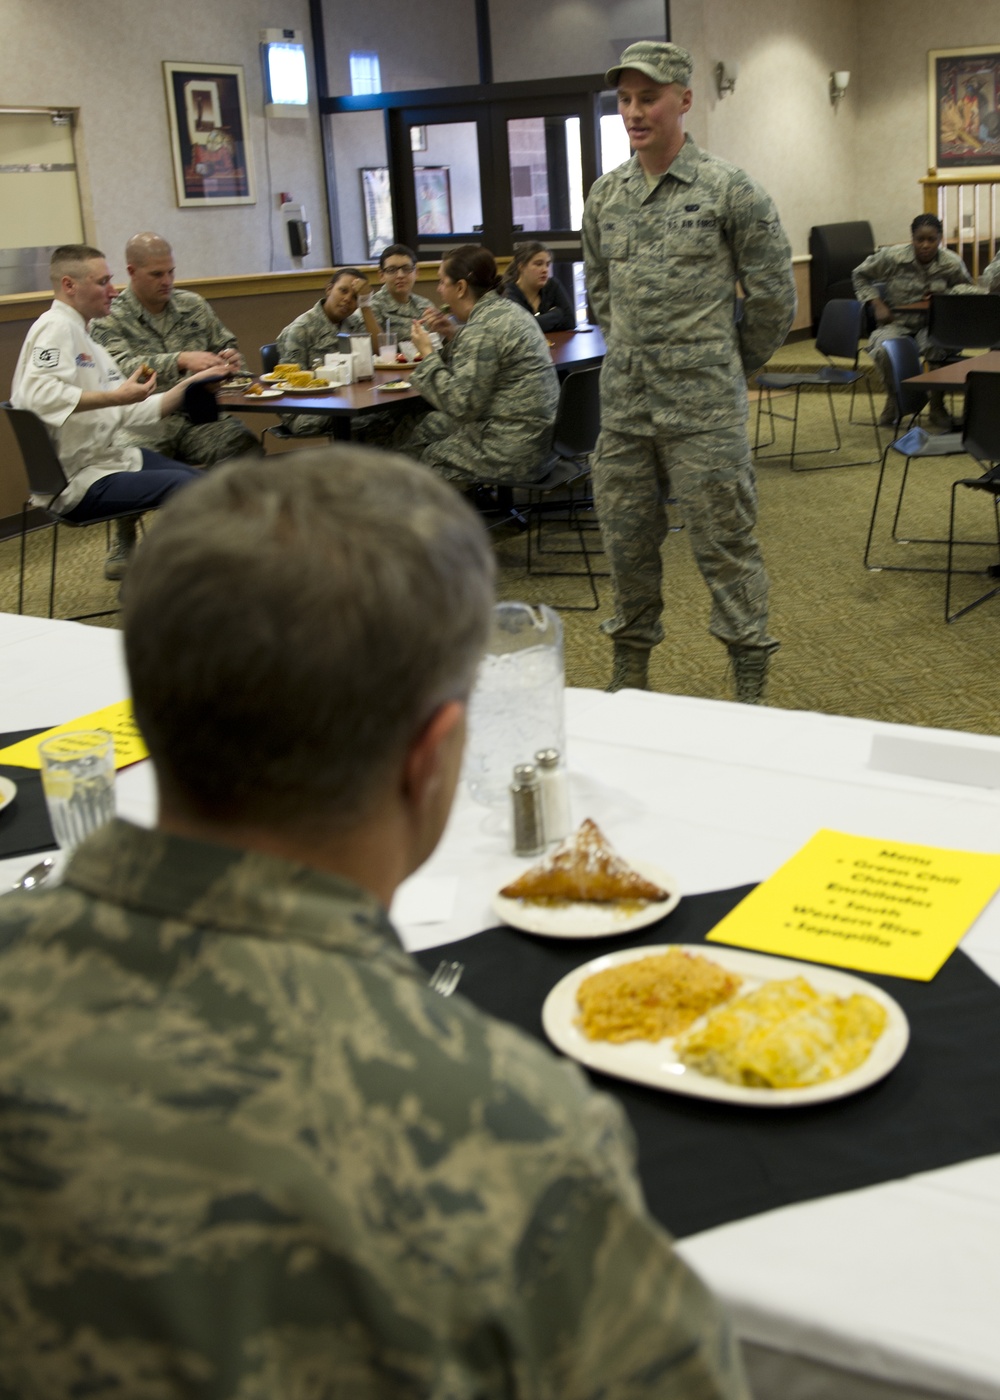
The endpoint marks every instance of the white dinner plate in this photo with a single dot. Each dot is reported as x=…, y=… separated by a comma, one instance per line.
x=396, y=364
x=8, y=791
x=579, y=920
x=654, y=1062
x=396, y=385
x=310, y=388
x=266, y=394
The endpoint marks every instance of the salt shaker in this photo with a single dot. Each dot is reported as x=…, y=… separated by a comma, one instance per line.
x=526, y=811
x=555, y=795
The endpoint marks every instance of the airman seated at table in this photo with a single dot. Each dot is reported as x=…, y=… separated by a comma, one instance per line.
x=493, y=385
x=91, y=410
x=313, y=335
x=176, y=332
x=395, y=306
x=252, y=1152
x=893, y=278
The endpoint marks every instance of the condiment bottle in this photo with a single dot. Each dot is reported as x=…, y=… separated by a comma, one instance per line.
x=555, y=795
x=527, y=820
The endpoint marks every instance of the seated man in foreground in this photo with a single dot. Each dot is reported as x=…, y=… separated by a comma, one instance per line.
x=253, y=1154
x=90, y=409
x=176, y=332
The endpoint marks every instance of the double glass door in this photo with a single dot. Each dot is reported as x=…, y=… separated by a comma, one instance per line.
x=494, y=173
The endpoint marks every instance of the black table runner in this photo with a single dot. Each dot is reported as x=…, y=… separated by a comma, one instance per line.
x=24, y=823
x=705, y=1163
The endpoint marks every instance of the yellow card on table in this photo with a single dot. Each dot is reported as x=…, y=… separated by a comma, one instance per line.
x=117, y=719
x=855, y=901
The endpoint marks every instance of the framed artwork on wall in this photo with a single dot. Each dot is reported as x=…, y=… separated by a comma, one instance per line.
x=964, y=109
x=378, y=209
x=432, y=186
x=209, y=134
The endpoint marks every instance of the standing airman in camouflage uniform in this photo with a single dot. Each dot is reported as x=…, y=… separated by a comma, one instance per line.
x=314, y=334
x=247, y=1153
x=666, y=237
x=494, y=387
x=175, y=332
x=895, y=277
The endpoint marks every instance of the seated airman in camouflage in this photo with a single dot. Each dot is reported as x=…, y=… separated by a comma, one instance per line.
x=315, y=334
x=248, y=1152
x=176, y=333
x=395, y=305
x=894, y=278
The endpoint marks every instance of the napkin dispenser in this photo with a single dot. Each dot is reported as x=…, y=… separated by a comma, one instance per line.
x=359, y=347
x=337, y=369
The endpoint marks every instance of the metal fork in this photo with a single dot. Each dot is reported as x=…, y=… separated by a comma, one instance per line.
x=445, y=977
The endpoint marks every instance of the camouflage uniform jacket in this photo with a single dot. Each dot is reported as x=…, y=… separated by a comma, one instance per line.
x=896, y=275
x=248, y=1154
x=495, y=382
x=990, y=277
x=662, y=267
x=385, y=307
x=131, y=335
x=311, y=336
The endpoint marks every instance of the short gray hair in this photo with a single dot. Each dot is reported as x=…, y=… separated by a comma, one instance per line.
x=291, y=624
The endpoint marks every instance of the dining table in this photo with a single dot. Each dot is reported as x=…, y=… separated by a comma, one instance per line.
x=855, y=1243
x=578, y=349
x=952, y=377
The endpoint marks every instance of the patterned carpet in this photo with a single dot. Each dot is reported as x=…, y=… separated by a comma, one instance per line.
x=853, y=642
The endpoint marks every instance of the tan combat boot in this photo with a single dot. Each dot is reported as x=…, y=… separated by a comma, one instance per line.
x=117, y=558
x=631, y=668
x=750, y=673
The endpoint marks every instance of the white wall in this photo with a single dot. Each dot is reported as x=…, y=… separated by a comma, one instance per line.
x=779, y=124
x=564, y=38
x=105, y=58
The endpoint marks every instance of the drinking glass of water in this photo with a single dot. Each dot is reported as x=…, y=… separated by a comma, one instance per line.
x=78, y=777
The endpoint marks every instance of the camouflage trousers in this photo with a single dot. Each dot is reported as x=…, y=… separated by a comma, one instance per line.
x=711, y=478
x=201, y=444
x=892, y=330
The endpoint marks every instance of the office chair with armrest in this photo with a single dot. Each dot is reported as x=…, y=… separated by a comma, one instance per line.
x=269, y=357
x=902, y=360
x=839, y=334
x=981, y=440
x=46, y=477
x=835, y=250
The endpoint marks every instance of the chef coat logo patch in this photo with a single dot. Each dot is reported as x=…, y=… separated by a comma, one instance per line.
x=45, y=359
x=84, y=360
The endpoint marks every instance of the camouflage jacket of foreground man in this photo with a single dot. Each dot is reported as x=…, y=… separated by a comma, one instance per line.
x=662, y=267
x=248, y=1153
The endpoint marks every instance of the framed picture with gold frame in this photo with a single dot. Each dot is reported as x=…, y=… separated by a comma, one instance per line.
x=209, y=134
x=964, y=110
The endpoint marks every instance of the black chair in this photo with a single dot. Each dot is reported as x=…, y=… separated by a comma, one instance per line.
x=902, y=360
x=981, y=439
x=835, y=250
x=839, y=334
x=269, y=357
x=46, y=477
x=578, y=422
x=963, y=322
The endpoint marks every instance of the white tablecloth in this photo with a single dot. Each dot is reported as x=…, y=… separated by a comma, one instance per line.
x=889, y=1291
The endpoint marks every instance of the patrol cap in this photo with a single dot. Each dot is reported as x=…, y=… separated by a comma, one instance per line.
x=664, y=63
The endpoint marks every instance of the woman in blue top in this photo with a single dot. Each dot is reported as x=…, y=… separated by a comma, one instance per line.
x=530, y=283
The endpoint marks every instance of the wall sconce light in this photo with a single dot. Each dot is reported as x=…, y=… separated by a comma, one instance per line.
x=725, y=77
x=838, y=84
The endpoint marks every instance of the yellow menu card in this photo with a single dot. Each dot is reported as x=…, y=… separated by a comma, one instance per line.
x=855, y=901
x=117, y=719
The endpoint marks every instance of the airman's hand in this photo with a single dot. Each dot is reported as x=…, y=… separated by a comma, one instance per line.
x=191, y=361
x=135, y=388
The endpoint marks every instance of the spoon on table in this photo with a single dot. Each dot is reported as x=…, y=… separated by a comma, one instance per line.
x=36, y=876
